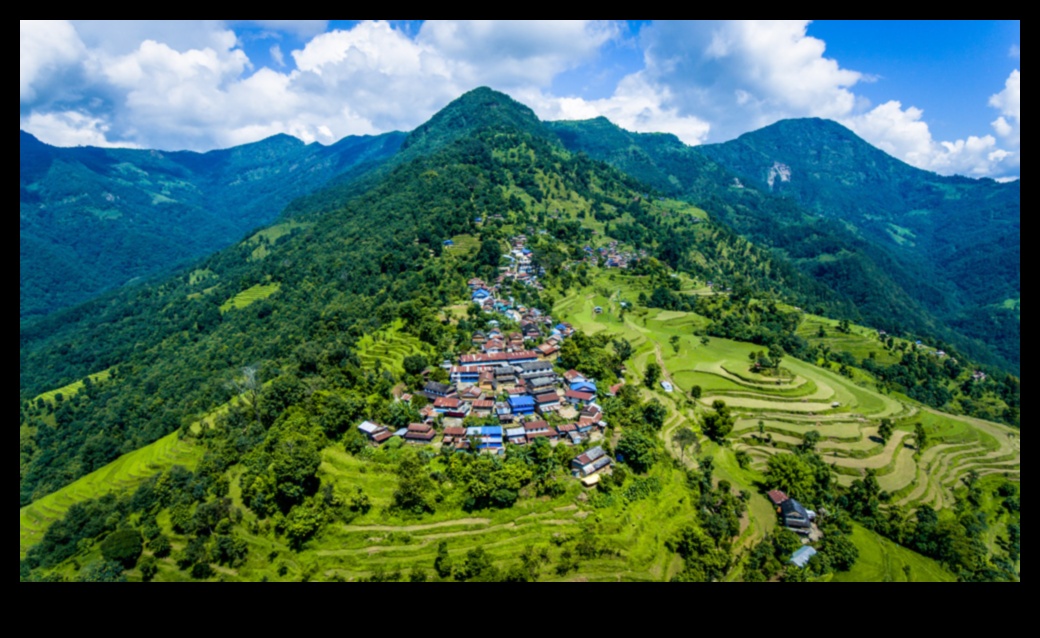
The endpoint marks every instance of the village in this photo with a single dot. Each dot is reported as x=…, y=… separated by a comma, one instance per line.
x=509, y=383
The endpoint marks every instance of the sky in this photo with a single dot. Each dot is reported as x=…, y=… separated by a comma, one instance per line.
x=940, y=95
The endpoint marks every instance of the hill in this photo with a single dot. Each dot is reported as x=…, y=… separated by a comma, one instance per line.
x=887, y=286
x=264, y=359
x=93, y=219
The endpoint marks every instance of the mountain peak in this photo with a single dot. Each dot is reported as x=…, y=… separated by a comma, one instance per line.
x=480, y=108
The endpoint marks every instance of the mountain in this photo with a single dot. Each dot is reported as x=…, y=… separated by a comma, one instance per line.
x=896, y=287
x=93, y=219
x=961, y=235
x=228, y=398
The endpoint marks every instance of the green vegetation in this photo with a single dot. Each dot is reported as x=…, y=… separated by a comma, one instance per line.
x=882, y=561
x=250, y=295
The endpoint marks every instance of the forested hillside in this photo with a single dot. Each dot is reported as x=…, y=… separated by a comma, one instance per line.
x=93, y=219
x=841, y=238
x=208, y=425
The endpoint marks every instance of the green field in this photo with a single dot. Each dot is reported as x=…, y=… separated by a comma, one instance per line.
x=269, y=236
x=249, y=295
x=69, y=390
x=123, y=474
x=387, y=348
x=882, y=561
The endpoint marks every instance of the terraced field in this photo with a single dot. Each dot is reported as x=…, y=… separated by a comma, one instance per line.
x=69, y=390
x=123, y=474
x=846, y=415
x=250, y=295
x=387, y=349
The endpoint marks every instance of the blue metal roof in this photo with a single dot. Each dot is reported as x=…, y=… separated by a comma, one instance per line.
x=802, y=555
x=583, y=386
x=521, y=401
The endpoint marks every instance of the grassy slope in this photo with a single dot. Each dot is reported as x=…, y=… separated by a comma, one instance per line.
x=124, y=473
x=249, y=295
x=881, y=560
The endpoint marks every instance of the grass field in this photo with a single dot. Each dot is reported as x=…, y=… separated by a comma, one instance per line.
x=842, y=411
x=123, y=474
x=249, y=295
x=882, y=561
x=69, y=390
x=269, y=236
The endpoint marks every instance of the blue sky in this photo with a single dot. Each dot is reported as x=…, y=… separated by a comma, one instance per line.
x=940, y=95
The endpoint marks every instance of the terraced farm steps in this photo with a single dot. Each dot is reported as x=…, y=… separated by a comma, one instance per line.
x=123, y=474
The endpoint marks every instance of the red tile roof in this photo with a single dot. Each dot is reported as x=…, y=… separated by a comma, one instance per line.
x=446, y=402
x=776, y=496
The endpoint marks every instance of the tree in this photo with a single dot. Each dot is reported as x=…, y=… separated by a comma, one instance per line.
x=809, y=441
x=821, y=333
x=776, y=353
x=717, y=424
x=653, y=373
x=415, y=364
x=413, y=485
x=920, y=437
x=442, y=562
x=623, y=349
x=123, y=546
x=295, y=463
x=638, y=450
x=674, y=341
x=696, y=392
x=684, y=438
x=705, y=341
x=148, y=568
x=654, y=414
x=885, y=429
x=788, y=472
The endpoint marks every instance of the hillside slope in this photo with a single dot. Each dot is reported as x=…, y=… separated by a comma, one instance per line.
x=92, y=219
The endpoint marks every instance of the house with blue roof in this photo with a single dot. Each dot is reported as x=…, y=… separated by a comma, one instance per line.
x=448, y=242
x=521, y=404
x=584, y=386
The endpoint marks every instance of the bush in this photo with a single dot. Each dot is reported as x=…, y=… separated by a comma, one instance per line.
x=123, y=546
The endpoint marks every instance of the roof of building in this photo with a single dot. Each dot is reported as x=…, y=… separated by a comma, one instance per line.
x=497, y=357
x=791, y=507
x=484, y=404
x=381, y=436
x=546, y=398
x=455, y=431
x=446, y=402
x=369, y=428
x=802, y=555
x=590, y=455
x=776, y=496
x=441, y=388
x=521, y=401
x=580, y=396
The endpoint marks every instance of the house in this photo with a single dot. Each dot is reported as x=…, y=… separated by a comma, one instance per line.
x=573, y=376
x=590, y=481
x=548, y=350
x=584, y=386
x=475, y=283
x=472, y=393
x=522, y=404
x=448, y=242
x=540, y=385
x=483, y=407
x=614, y=389
x=451, y=407
x=493, y=346
x=433, y=390
x=486, y=380
x=795, y=516
x=592, y=461
x=516, y=436
x=667, y=386
x=454, y=435
x=598, y=309
x=776, y=497
x=374, y=431
x=500, y=358
x=419, y=433
x=465, y=374
x=801, y=556
x=478, y=338
x=535, y=369
x=547, y=402
x=579, y=398
x=490, y=436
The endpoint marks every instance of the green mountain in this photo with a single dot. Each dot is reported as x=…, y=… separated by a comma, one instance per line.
x=830, y=202
x=93, y=219
x=961, y=235
x=203, y=425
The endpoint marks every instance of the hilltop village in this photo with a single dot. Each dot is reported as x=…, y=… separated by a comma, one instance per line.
x=507, y=389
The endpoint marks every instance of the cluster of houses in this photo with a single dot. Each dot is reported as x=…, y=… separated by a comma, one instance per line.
x=795, y=517
x=612, y=255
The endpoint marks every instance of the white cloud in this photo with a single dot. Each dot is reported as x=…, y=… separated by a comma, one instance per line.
x=49, y=50
x=1008, y=102
x=904, y=134
x=277, y=55
x=69, y=128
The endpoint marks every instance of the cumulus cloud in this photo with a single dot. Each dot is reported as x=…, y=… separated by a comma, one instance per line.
x=189, y=84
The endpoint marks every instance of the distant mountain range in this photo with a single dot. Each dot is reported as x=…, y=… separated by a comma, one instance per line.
x=900, y=248
x=93, y=219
